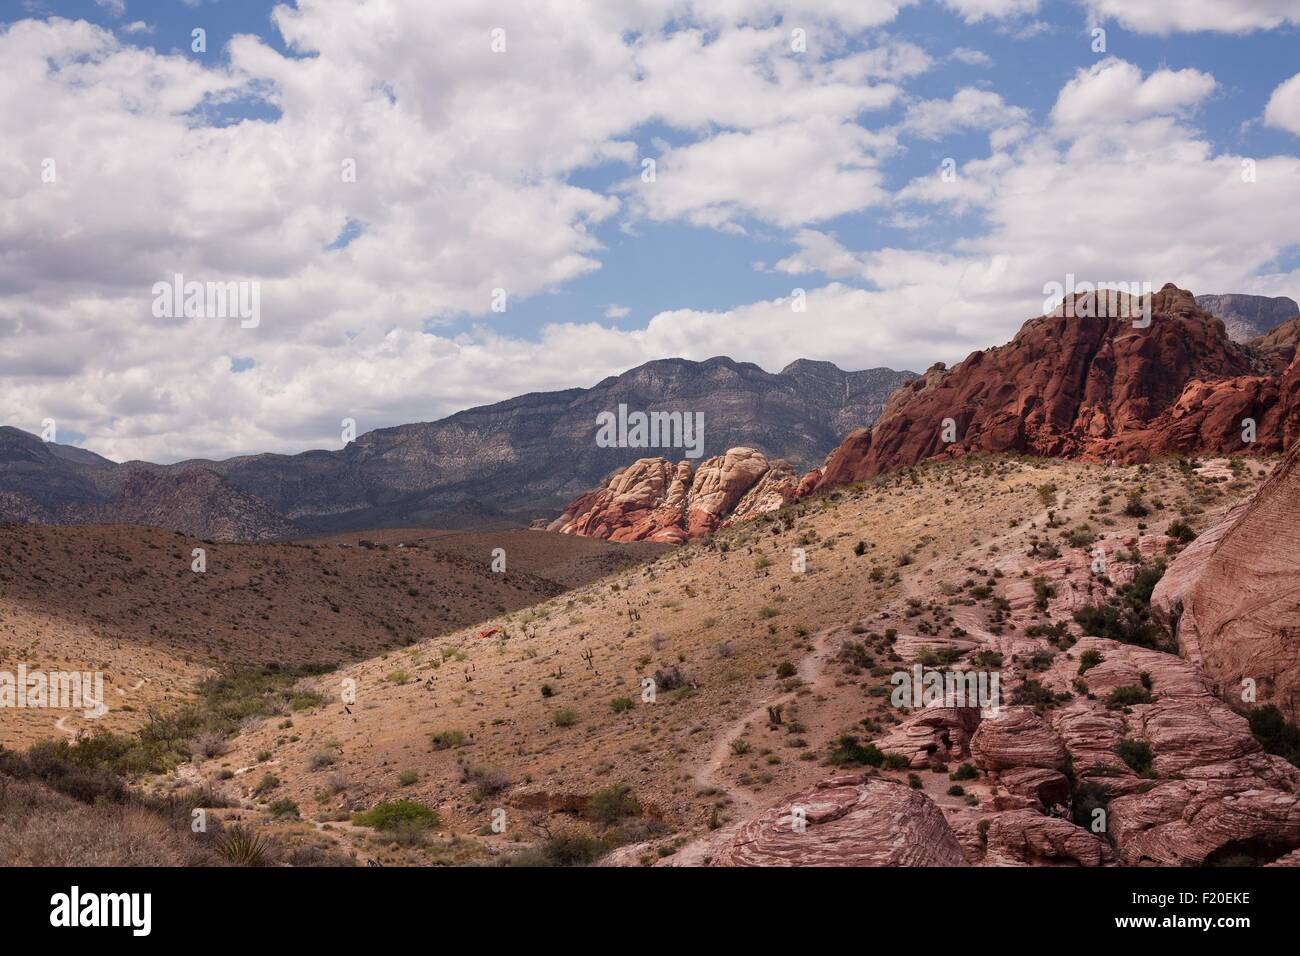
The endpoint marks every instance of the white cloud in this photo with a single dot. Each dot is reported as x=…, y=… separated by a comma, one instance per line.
x=463, y=163
x=968, y=109
x=973, y=11
x=1113, y=92
x=1222, y=16
x=972, y=57
x=137, y=27
x=617, y=312
x=798, y=172
x=1283, y=110
x=114, y=7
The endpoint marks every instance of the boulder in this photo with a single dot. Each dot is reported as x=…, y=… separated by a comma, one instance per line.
x=850, y=820
x=1025, y=837
x=1017, y=737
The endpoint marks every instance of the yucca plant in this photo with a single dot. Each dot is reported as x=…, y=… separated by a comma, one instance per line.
x=243, y=846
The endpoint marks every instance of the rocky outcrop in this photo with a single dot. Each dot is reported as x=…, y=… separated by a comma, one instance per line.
x=1248, y=316
x=1017, y=737
x=1088, y=386
x=850, y=820
x=932, y=734
x=1233, y=596
x=1027, y=838
x=654, y=500
x=1193, y=822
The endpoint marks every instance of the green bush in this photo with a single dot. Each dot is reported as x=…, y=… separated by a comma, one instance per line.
x=390, y=815
x=846, y=750
x=1137, y=754
x=611, y=804
x=447, y=739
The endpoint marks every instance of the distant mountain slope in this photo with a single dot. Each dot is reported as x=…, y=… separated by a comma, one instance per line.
x=495, y=465
x=1248, y=317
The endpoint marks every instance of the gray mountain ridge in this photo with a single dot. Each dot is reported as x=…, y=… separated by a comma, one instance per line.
x=495, y=465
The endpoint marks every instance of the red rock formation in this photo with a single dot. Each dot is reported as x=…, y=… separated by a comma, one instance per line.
x=653, y=500
x=1025, y=837
x=1233, y=596
x=1017, y=737
x=1190, y=822
x=932, y=733
x=1091, y=387
x=1087, y=385
x=851, y=820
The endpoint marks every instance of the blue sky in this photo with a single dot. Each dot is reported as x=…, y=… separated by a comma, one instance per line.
x=377, y=298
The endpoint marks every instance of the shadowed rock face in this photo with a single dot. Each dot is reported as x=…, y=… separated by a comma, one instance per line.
x=852, y=820
x=1248, y=316
x=1233, y=596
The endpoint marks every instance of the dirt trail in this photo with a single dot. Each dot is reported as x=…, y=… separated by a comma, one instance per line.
x=811, y=671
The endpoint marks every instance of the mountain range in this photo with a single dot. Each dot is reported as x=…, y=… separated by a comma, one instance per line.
x=493, y=466
x=1083, y=382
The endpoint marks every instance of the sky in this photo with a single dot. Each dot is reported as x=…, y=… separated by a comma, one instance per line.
x=442, y=205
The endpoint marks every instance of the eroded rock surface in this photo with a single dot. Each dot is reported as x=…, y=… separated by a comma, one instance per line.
x=852, y=820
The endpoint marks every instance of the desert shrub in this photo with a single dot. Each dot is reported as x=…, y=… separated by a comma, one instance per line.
x=1137, y=755
x=407, y=778
x=1043, y=592
x=847, y=750
x=1181, y=531
x=786, y=669
x=264, y=786
x=620, y=705
x=485, y=779
x=611, y=804
x=244, y=846
x=447, y=739
x=565, y=717
x=1088, y=660
x=283, y=808
x=1087, y=798
x=389, y=815
x=1136, y=507
x=966, y=771
x=1275, y=733
x=1128, y=695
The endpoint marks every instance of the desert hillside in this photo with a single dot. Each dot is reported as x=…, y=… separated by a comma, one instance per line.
x=125, y=600
x=769, y=682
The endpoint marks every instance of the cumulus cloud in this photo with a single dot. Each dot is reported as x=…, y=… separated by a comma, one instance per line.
x=1114, y=91
x=464, y=186
x=1222, y=16
x=972, y=11
x=1283, y=110
x=968, y=109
